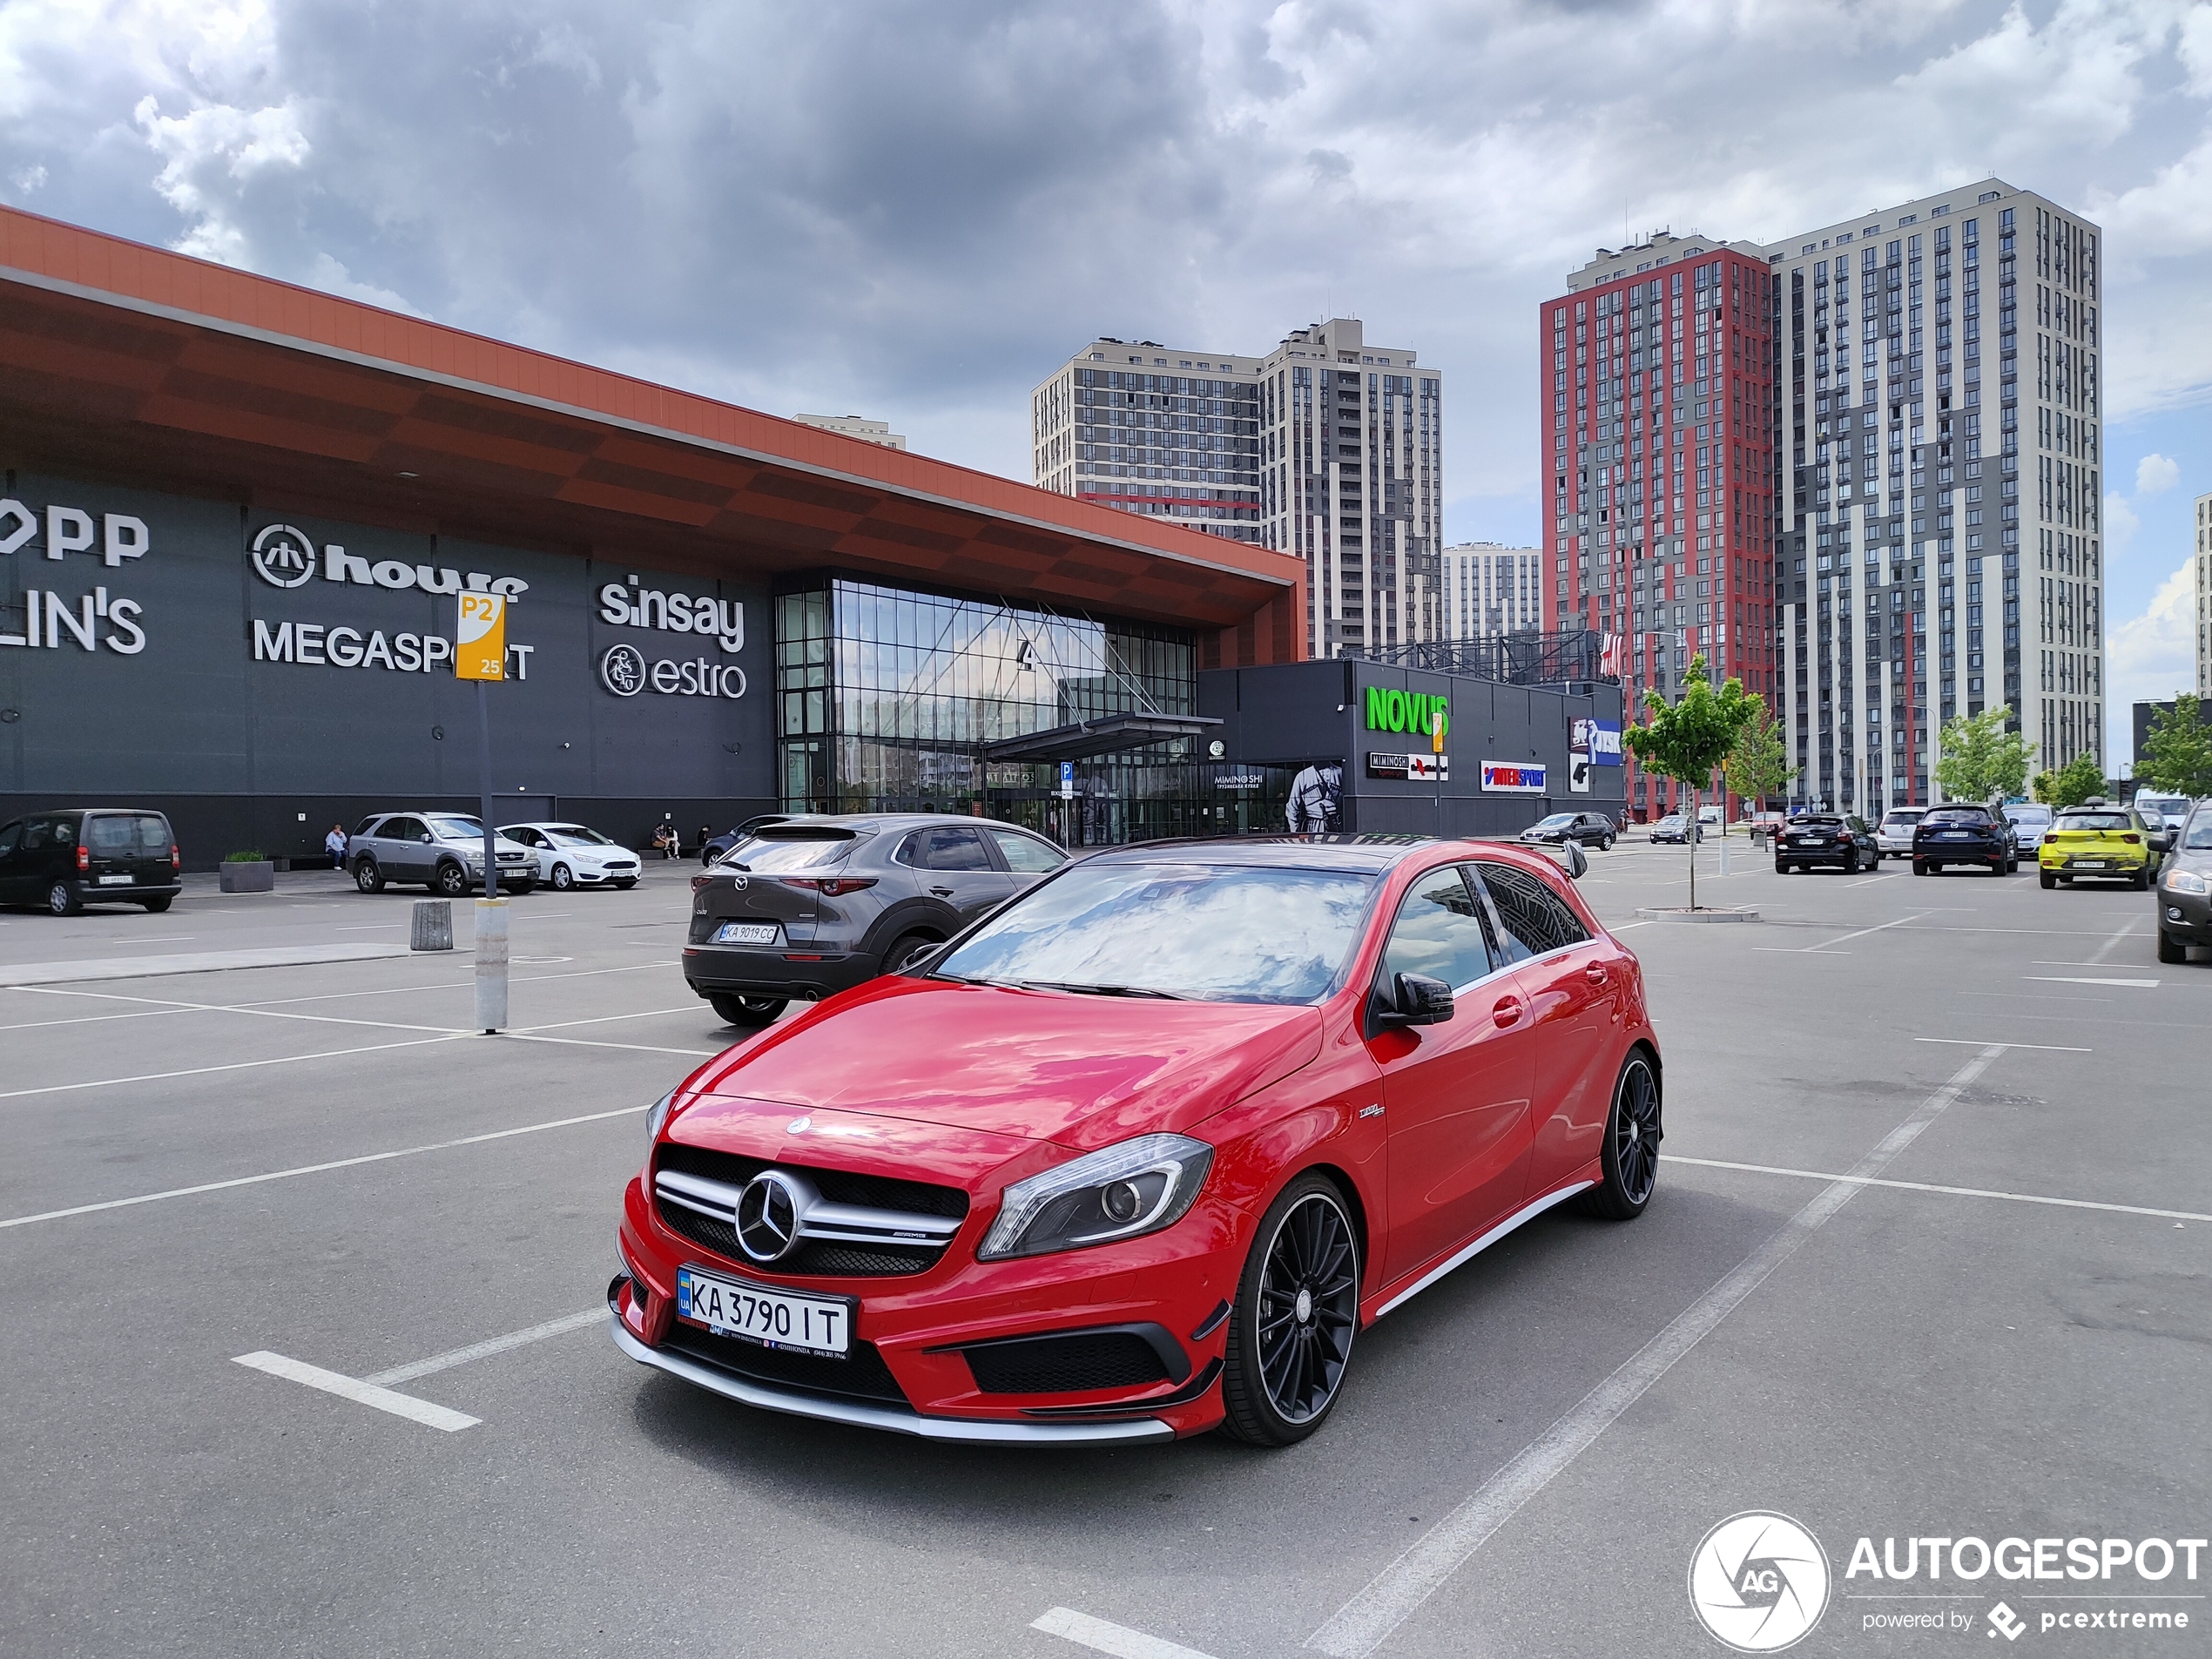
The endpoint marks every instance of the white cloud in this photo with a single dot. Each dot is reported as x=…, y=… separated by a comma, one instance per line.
x=2155, y=654
x=2155, y=474
x=2121, y=525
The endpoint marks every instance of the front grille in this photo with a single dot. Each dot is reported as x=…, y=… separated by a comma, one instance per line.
x=861, y=1376
x=838, y=1186
x=814, y=1258
x=1075, y=1363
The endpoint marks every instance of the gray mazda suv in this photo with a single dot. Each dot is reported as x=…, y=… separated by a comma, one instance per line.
x=812, y=905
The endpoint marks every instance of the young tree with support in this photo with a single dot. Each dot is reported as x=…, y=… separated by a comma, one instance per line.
x=1759, y=764
x=1978, y=760
x=2177, y=750
x=1689, y=740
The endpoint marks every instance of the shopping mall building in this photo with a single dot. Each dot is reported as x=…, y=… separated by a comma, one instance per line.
x=235, y=514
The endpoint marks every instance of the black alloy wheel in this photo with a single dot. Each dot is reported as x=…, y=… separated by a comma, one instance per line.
x=1297, y=1313
x=1630, y=1155
x=563, y=878
x=452, y=880
x=746, y=1010
x=1605, y=843
x=64, y=900
x=367, y=876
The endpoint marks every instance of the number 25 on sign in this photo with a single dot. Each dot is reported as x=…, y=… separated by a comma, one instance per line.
x=479, y=644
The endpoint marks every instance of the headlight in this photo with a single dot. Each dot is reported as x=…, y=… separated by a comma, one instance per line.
x=1119, y=1193
x=657, y=1117
x=2187, y=881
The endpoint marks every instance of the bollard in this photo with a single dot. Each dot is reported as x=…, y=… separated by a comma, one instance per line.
x=1724, y=849
x=491, y=964
x=433, y=925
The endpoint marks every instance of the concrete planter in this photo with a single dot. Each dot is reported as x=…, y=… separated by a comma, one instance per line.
x=247, y=878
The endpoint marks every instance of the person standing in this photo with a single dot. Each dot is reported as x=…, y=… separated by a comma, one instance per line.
x=335, y=844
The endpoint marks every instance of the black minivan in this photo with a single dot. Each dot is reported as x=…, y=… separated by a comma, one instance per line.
x=65, y=861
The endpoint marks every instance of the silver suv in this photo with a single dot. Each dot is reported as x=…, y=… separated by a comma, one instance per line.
x=443, y=851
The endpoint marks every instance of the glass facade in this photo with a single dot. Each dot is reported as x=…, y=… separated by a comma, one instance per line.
x=887, y=697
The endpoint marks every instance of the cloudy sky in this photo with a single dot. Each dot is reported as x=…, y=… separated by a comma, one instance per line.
x=915, y=212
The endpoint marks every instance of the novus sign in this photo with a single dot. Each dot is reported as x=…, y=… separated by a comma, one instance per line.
x=1390, y=710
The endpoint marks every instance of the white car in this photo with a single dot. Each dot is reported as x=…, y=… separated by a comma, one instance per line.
x=1893, y=835
x=575, y=855
x=2031, y=822
x=2169, y=810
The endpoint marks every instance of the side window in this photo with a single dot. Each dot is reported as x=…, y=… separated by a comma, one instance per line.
x=1025, y=855
x=10, y=836
x=1533, y=917
x=65, y=832
x=401, y=829
x=37, y=833
x=1439, y=932
x=366, y=826
x=954, y=849
x=909, y=852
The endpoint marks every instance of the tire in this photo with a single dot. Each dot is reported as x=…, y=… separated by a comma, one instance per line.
x=64, y=900
x=746, y=1010
x=155, y=906
x=518, y=888
x=1605, y=843
x=1780, y=868
x=625, y=886
x=1629, y=1154
x=2171, y=949
x=2045, y=879
x=905, y=948
x=563, y=878
x=2140, y=879
x=367, y=876
x=451, y=881
x=1284, y=1373
x=1919, y=866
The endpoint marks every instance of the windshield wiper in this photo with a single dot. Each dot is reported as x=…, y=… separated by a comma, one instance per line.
x=1102, y=990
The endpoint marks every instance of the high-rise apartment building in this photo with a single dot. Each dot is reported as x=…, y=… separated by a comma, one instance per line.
x=856, y=425
x=2202, y=562
x=1488, y=590
x=1326, y=447
x=1942, y=404
x=1658, y=461
x=1137, y=426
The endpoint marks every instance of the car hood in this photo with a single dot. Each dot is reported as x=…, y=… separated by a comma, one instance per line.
x=1083, y=1071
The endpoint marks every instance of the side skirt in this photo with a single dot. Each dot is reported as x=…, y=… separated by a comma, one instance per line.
x=1460, y=1258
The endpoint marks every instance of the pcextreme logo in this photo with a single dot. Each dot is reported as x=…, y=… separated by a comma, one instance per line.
x=1758, y=1581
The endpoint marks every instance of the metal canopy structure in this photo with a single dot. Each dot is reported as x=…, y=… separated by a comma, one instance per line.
x=1109, y=734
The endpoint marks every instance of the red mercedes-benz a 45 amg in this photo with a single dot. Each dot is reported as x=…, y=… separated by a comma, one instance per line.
x=1141, y=1154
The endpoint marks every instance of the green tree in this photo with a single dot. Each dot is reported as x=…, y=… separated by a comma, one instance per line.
x=1977, y=759
x=2073, y=782
x=1759, y=764
x=2177, y=751
x=1687, y=740
x=2044, y=787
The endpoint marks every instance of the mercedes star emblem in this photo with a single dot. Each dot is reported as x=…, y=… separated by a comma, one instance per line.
x=769, y=1211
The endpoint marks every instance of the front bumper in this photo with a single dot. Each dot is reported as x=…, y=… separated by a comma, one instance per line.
x=1176, y=1283
x=2186, y=916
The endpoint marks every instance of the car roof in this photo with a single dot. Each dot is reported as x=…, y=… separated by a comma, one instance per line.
x=886, y=821
x=1369, y=854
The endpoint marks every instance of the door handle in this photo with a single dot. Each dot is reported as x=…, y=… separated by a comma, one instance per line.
x=942, y=893
x=1506, y=1011
x=1595, y=973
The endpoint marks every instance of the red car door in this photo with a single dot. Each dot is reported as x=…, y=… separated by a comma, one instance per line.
x=1456, y=1094
x=1571, y=981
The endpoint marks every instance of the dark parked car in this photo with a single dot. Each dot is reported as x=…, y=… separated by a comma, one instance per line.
x=1844, y=840
x=65, y=861
x=443, y=851
x=1678, y=828
x=1591, y=829
x=812, y=905
x=2185, y=889
x=719, y=845
x=1971, y=835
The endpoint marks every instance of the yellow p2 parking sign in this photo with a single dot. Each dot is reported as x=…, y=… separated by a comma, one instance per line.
x=480, y=643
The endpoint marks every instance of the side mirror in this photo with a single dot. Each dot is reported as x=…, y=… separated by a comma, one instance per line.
x=426, y=840
x=1576, y=860
x=1420, y=1001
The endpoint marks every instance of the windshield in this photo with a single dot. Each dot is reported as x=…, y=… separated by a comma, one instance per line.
x=457, y=829
x=1557, y=820
x=2095, y=821
x=2175, y=805
x=577, y=835
x=2199, y=836
x=1216, y=934
x=774, y=852
x=2028, y=814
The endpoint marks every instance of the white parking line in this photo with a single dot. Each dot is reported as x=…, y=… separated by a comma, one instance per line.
x=1872, y=879
x=1976, y=1042
x=1810, y=950
x=2077, y=979
x=489, y=1346
x=235, y=1065
x=313, y=1168
x=1102, y=1637
x=1954, y=1192
x=2113, y=943
x=419, y=1411
x=1364, y=1623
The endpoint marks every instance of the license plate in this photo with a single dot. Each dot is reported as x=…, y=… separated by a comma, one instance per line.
x=2090, y=864
x=772, y=1318
x=746, y=933
x=1955, y=835
x=115, y=880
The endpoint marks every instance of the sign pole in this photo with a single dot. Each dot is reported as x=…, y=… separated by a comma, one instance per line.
x=479, y=654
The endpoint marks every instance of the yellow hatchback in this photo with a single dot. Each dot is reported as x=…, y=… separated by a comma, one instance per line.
x=2101, y=841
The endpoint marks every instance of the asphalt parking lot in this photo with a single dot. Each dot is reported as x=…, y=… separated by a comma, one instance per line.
x=1996, y=1324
